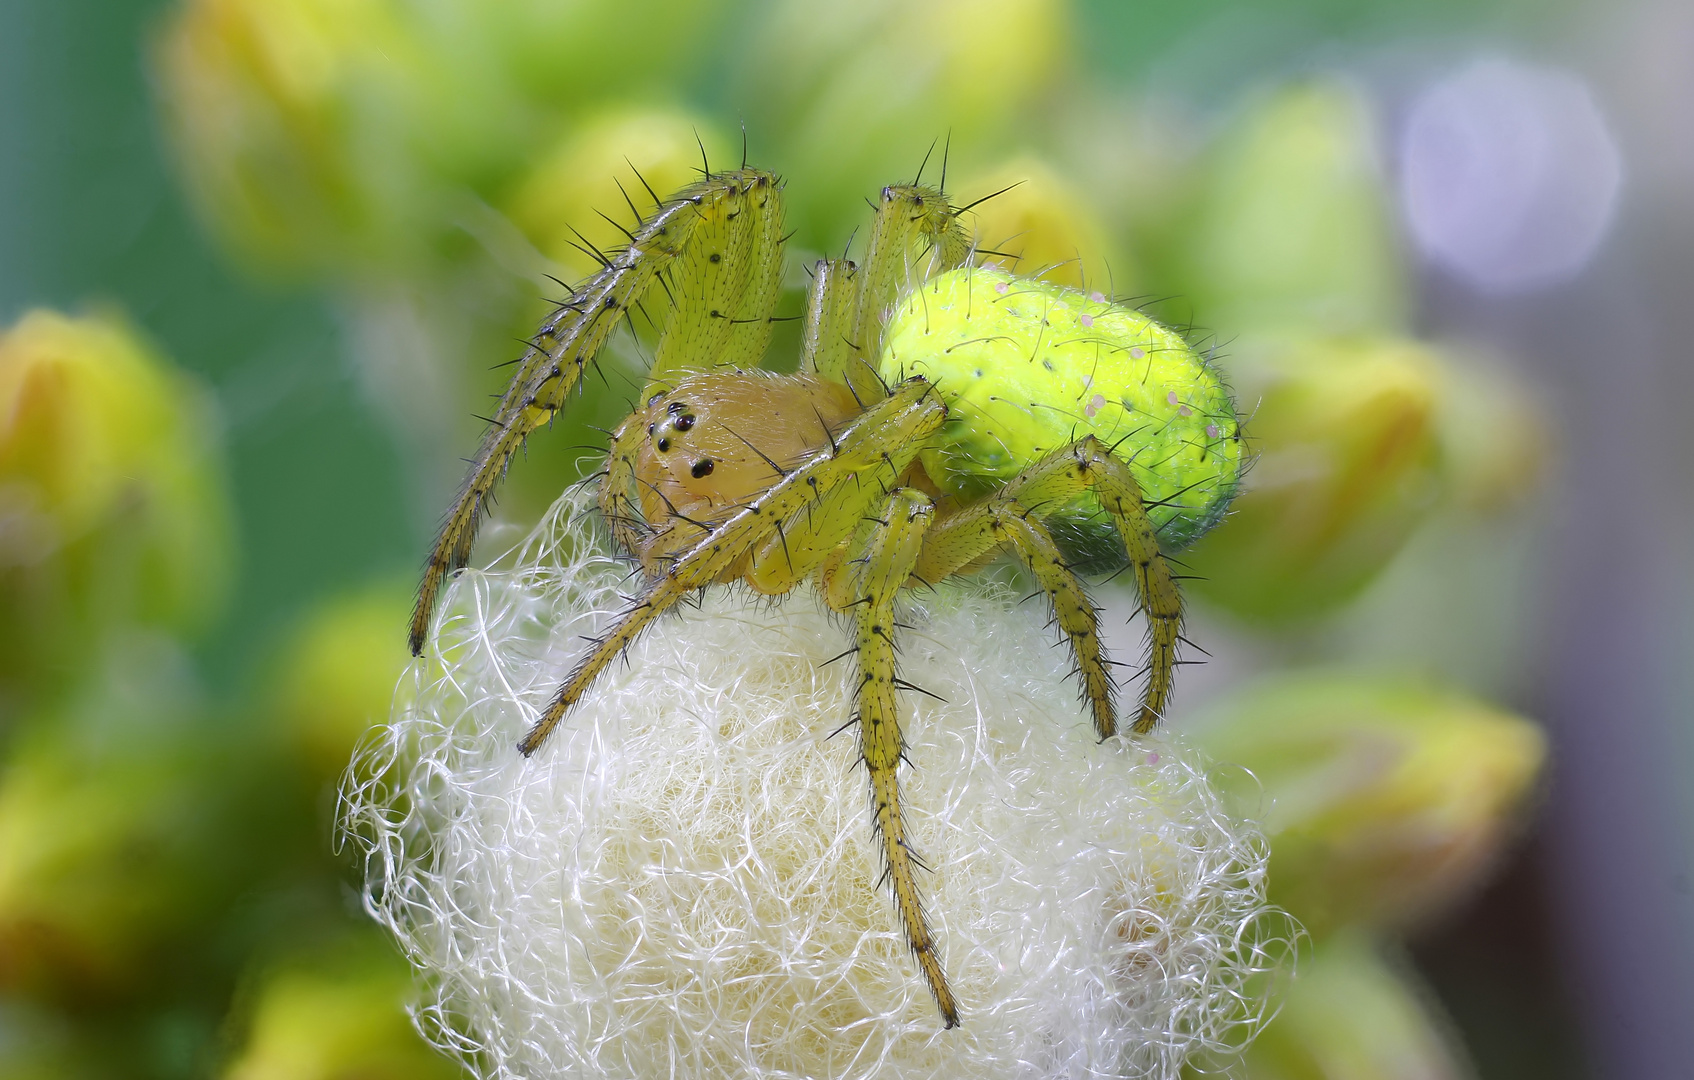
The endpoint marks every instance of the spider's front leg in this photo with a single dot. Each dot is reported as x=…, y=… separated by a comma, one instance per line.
x=1009, y=518
x=878, y=563
x=869, y=454
x=716, y=250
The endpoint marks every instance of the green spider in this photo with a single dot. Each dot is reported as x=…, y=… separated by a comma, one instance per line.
x=943, y=412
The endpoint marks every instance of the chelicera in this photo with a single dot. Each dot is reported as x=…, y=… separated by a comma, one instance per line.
x=943, y=412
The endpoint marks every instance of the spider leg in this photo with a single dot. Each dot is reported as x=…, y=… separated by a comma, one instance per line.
x=1055, y=480
x=916, y=234
x=827, y=346
x=879, y=562
x=724, y=284
x=910, y=414
x=618, y=503
x=960, y=539
x=574, y=334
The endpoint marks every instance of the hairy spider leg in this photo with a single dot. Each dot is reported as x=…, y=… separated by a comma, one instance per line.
x=617, y=488
x=878, y=563
x=749, y=201
x=896, y=425
x=965, y=537
x=915, y=235
x=723, y=286
x=1055, y=481
x=827, y=347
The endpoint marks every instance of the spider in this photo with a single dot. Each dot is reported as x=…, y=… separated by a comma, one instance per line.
x=944, y=410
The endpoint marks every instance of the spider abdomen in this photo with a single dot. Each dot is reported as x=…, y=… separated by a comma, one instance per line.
x=1027, y=366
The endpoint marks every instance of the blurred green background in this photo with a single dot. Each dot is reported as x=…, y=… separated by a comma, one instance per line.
x=259, y=260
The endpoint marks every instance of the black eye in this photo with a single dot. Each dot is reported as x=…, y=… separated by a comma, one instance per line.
x=664, y=444
x=654, y=400
x=675, y=407
x=703, y=467
x=684, y=422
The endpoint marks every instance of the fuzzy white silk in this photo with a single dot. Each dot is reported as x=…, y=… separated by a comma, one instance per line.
x=684, y=880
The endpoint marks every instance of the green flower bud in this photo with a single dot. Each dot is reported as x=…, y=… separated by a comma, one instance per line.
x=1351, y=1015
x=337, y=677
x=112, y=509
x=1382, y=800
x=558, y=202
x=1348, y=466
x=1293, y=231
x=340, y=1017
x=1045, y=227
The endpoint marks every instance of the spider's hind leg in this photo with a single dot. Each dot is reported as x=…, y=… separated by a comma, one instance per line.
x=1055, y=481
x=965, y=537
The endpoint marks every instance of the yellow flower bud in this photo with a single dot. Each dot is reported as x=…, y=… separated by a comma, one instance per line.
x=337, y=677
x=111, y=509
x=1382, y=800
x=337, y=1018
x=1495, y=436
x=1350, y=1014
x=1293, y=231
x=559, y=201
x=1348, y=466
x=848, y=87
x=311, y=131
x=1045, y=227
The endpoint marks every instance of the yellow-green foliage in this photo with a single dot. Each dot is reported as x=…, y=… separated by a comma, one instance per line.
x=109, y=850
x=1384, y=799
x=1350, y=1014
x=607, y=163
x=333, y=1017
x=1348, y=465
x=335, y=678
x=1046, y=227
x=1292, y=229
x=110, y=492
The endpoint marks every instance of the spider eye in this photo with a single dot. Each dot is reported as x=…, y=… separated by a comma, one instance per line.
x=663, y=445
x=684, y=422
x=675, y=407
x=703, y=467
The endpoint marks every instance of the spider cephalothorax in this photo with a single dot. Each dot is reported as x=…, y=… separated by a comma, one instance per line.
x=943, y=412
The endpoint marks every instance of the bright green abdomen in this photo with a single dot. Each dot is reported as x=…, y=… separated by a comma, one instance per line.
x=1028, y=366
